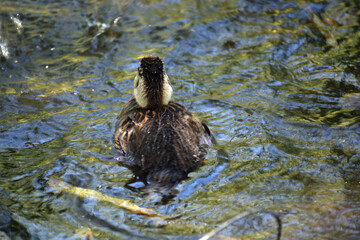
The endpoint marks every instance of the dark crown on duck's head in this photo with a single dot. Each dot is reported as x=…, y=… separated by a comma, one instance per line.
x=152, y=69
x=151, y=85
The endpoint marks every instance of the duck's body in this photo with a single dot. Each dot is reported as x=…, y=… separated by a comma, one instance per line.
x=161, y=140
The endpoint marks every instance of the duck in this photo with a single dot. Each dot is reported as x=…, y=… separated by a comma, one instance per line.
x=161, y=141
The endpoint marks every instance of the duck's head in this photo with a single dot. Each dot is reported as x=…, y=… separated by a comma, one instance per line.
x=152, y=88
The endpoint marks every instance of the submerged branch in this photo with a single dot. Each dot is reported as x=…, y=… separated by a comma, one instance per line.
x=238, y=217
x=88, y=193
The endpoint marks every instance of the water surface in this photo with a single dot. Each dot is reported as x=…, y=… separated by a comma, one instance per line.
x=278, y=83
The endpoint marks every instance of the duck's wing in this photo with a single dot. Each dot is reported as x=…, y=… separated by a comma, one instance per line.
x=125, y=124
x=186, y=120
x=131, y=125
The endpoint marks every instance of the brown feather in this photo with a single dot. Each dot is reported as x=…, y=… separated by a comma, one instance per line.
x=163, y=144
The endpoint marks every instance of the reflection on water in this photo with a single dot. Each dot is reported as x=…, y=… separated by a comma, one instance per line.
x=277, y=82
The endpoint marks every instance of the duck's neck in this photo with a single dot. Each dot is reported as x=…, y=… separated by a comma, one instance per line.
x=153, y=94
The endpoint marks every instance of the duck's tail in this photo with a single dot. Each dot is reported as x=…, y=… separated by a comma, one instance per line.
x=159, y=192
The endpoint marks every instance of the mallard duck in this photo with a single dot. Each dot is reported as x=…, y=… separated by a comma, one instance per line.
x=161, y=140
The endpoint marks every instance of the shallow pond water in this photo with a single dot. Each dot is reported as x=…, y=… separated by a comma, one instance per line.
x=278, y=83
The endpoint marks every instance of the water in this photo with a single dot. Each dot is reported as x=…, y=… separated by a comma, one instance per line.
x=278, y=83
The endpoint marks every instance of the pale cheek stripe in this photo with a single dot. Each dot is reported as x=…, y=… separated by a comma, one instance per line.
x=140, y=96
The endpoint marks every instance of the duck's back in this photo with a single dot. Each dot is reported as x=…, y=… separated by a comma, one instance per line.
x=163, y=144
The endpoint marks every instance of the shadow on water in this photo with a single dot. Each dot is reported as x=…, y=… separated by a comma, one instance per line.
x=276, y=81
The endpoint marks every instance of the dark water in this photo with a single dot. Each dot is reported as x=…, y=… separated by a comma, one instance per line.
x=278, y=83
